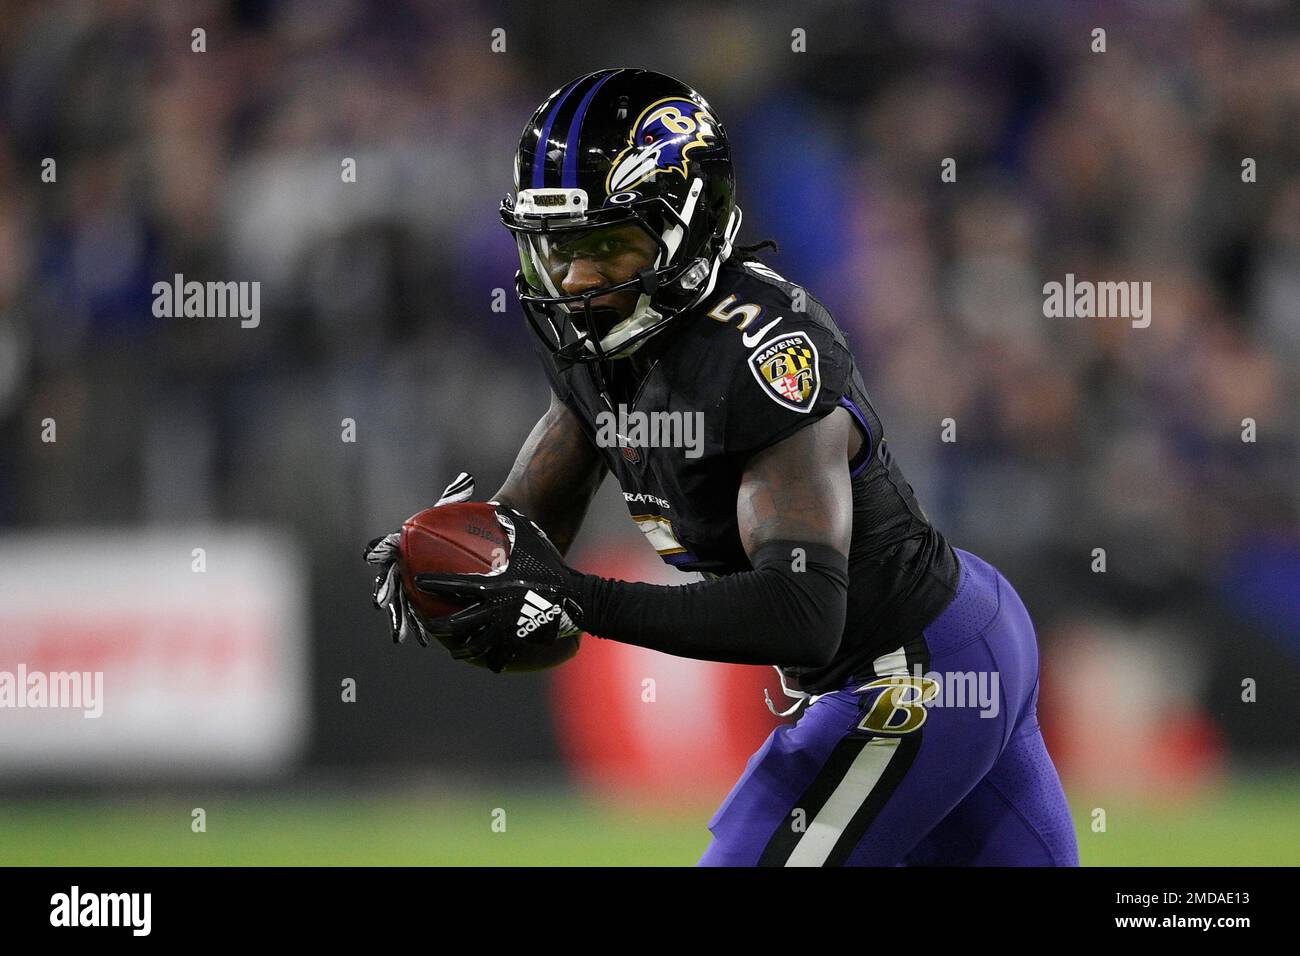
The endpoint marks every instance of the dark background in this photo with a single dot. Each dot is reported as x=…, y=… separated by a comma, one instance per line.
x=377, y=300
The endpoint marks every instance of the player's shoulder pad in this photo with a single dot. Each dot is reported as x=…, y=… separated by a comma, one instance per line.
x=789, y=363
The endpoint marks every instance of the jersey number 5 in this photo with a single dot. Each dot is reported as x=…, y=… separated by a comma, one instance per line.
x=726, y=310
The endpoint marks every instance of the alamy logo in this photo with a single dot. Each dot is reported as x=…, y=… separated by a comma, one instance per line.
x=536, y=612
x=102, y=909
x=1102, y=300
x=208, y=300
x=632, y=429
x=962, y=689
x=70, y=690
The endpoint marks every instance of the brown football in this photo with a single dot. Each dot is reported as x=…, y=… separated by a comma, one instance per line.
x=459, y=538
x=454, y=538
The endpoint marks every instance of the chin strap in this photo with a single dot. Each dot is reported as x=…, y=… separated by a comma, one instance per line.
x=643, y=318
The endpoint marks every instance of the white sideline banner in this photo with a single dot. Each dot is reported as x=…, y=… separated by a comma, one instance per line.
x=151, y=653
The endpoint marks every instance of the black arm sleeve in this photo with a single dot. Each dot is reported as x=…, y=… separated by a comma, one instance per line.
x=786, y=611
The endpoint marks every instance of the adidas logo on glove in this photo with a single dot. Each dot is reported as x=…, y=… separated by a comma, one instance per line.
x=536, y=612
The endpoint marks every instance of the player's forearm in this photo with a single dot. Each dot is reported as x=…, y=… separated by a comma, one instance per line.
x=555, y=477
x=781, y=613
x=561, y=519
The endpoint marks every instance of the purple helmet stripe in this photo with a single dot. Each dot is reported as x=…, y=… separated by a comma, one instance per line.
x=539, y=160
x=570, y=178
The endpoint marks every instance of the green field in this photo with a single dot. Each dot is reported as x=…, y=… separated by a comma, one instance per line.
x=1248, y=823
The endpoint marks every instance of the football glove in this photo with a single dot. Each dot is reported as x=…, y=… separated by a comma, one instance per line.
x=385, y=551
x=532, y=598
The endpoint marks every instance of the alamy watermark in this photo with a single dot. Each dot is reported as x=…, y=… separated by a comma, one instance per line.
x=633, y=430
x=129, y=910
x=208, y=300
x=1102, y=300
x=975, y=689
x=56, y=690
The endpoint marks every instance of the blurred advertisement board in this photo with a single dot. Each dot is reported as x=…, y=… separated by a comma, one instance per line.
x=162, y=653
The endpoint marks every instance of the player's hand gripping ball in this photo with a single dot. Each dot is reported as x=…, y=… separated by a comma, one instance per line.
x=521, y=615
x=385, y=552
x=460, y=537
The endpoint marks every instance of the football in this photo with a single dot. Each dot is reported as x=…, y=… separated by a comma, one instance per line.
x=460, y=538
x=454, y=538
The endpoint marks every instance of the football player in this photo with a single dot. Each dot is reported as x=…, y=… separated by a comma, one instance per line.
x=817, y=556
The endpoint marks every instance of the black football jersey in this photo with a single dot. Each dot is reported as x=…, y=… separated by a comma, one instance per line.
x=754, y=361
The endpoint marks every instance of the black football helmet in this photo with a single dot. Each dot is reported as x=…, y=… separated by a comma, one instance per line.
x=625, y=147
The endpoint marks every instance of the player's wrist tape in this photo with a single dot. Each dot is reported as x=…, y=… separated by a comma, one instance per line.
x=789, y=610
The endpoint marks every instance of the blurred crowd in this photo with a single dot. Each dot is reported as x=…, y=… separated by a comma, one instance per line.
x=379, y=298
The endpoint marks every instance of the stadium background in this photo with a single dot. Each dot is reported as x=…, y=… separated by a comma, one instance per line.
x=379, y=305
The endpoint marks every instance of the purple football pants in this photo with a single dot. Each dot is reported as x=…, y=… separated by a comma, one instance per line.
x=946, y=769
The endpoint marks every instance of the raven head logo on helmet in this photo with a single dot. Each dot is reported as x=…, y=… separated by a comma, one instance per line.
x=623, y=211
x=659, y=141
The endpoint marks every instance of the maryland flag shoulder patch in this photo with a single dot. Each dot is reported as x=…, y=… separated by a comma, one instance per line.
x=786, y=368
